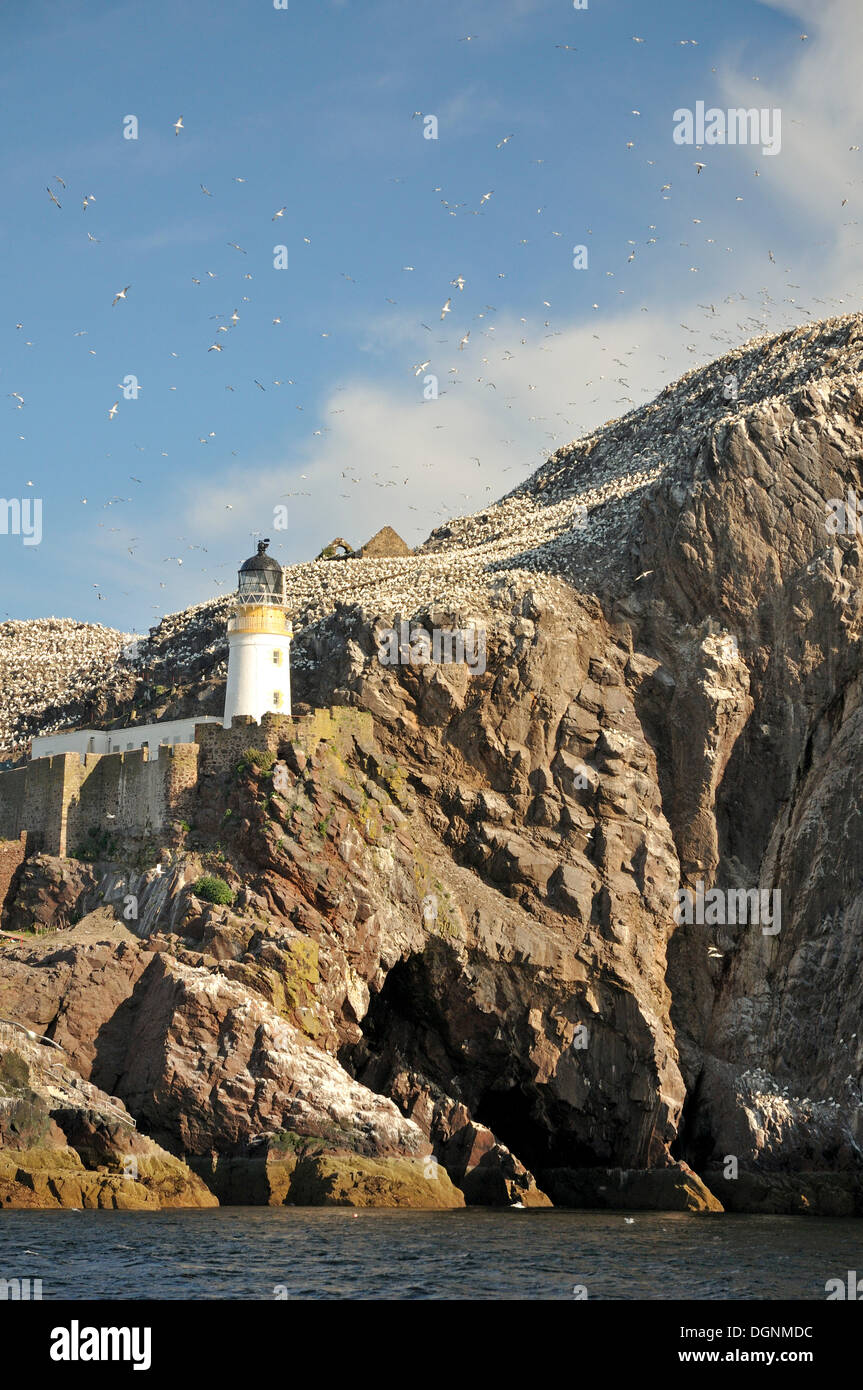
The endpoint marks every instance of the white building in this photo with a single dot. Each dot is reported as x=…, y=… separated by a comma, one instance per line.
x=152, y=736
x=259, y=671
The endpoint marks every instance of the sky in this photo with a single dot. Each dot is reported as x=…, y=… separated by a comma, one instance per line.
x=361, y=384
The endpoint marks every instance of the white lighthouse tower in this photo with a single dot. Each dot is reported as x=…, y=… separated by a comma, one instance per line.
x=259, y=642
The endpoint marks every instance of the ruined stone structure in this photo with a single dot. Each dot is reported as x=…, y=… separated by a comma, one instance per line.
x=61, y=803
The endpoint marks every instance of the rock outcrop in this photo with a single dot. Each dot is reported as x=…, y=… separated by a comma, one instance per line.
x=457, y=939
x=65, y=1143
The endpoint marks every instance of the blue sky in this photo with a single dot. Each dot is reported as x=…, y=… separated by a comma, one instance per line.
x=312, y=108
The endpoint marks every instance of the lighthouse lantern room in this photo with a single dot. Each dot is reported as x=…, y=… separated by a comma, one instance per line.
x=259, y=642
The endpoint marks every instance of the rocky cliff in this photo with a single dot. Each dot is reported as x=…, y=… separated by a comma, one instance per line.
x=455, y=965
x=65, y=1143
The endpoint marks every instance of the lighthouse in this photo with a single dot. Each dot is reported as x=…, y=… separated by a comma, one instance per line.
x=259, y=642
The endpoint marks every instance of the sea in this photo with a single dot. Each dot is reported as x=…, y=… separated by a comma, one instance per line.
x=281, y=1253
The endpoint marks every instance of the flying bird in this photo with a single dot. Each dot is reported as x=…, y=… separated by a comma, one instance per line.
x=178, y=126
x=113, y=411
x=121, y=294
x=281, y=212
x=51, y=196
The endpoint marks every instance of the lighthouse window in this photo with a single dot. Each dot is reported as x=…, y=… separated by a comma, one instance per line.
x=277, y=697
x=277, y=658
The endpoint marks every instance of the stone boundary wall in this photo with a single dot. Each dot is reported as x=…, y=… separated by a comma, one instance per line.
x=222, y=749
x=62, y=800
x=59, y=802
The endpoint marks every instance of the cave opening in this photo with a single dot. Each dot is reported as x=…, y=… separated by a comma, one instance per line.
x=420, y=1022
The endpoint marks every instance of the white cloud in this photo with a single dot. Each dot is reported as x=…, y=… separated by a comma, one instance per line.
x=414, y=461
x=821, y=100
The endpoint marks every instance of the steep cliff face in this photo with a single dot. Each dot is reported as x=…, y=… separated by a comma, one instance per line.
x=749, y=547
x=547, y=1012
x=461, y=930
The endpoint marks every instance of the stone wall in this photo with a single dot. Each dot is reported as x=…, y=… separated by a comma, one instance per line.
x=64, y=802
x=33, y=800
x=131, y=795
x=222, y=749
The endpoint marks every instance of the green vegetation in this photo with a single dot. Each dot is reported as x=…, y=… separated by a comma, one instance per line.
x=146, y=855
x=97, y=845
x=332, y=1134
x=213, y=890
x=260, y=758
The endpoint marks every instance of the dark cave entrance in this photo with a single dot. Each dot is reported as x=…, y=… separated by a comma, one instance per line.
x=420, y=1022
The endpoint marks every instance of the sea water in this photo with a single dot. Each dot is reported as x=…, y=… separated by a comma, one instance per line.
x=336, y=1253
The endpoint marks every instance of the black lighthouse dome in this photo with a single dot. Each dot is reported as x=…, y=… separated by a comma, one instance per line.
x=260, y=578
